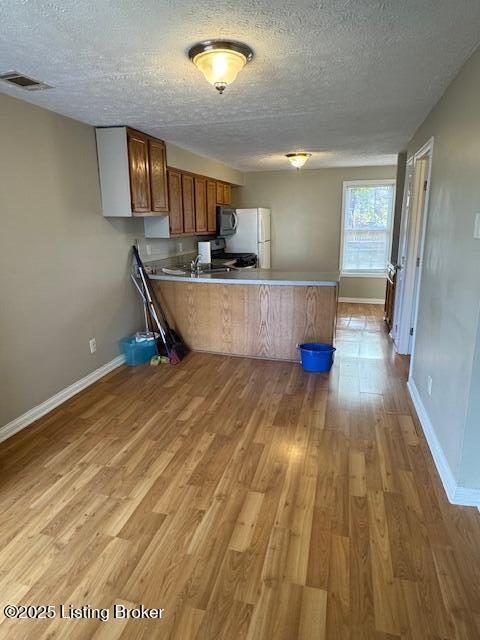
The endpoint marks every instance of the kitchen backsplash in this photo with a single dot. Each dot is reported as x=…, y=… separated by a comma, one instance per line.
x=165, y=248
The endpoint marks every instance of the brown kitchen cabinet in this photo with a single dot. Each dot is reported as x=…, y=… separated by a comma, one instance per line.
x=220, y=194
x=175, y=201
x=193, y=201
x=136, y=181
x=189, y=206
x=158, y=175
x=211, y=206
x=201, y=224
x=224, y=193
x=227, y=193
x=139, y=169
x=132, y=168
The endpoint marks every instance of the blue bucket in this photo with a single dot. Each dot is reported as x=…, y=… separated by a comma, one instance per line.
x=316, y=356
x=138, y=352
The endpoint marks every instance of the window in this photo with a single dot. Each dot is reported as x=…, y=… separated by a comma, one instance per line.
x=366, y=227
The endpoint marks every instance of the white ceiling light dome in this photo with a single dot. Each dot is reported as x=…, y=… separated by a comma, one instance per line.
x=220, y=61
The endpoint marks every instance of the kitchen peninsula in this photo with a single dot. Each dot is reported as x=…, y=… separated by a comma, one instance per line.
x=255, y=313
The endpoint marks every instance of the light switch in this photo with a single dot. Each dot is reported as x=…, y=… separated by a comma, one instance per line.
x=476, y=229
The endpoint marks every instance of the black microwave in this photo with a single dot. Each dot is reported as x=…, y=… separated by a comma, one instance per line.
x=227, y=221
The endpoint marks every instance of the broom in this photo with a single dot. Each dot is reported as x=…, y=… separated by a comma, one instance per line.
x=174, y=347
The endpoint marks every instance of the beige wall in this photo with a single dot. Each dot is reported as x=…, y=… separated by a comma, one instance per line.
x=447, y=337
x=306, y=219
x=188, y=161
x=366, y=288
x=63, y=267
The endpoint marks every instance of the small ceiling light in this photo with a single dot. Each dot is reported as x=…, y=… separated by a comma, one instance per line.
x=220, y=60
x=298, y=159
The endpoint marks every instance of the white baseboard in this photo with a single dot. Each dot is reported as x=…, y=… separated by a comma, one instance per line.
x=363, y=300
x=455, y=493
x=40, y=410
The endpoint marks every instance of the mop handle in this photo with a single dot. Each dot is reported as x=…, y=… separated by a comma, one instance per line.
x=152, y=309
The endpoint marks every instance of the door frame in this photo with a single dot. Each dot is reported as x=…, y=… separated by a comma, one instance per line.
x=411, y=246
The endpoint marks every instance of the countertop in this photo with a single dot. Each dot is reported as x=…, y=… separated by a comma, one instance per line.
x=257, y=276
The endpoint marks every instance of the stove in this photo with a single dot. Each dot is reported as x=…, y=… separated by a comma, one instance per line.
x=241, y=260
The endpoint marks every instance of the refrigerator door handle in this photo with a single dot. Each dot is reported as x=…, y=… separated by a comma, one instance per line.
x=235, y=220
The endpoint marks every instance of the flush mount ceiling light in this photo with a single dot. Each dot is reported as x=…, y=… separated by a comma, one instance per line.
x=298, y=159
x=220, y=60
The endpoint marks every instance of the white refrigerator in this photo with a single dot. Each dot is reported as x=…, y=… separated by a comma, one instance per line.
x=252, y=235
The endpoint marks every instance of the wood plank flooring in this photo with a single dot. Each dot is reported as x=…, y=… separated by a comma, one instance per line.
x=248, y=499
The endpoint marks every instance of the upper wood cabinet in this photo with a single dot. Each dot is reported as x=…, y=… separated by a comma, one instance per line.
x=132, y=170
x=139, y=170
x=201, y=224
x=158, y=175
x=220, y=194
x=188, y=204
x=224, y=193
x=193, y=202
x=176, y=201
x=227, y=193
x=211, y=206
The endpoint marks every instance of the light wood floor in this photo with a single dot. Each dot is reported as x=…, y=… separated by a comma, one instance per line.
x=246, y=498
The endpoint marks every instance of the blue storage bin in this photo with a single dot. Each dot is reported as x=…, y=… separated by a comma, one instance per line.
x=138, y=352
x=316, y=356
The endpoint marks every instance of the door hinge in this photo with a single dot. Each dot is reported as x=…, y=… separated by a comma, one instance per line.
x=411, y=331
x=425, y=184
x=418, y=262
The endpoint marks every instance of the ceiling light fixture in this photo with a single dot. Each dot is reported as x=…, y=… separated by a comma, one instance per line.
x=298, y=159
x=220, y=60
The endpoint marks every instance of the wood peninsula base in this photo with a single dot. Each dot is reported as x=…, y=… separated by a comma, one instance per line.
x=254, y=320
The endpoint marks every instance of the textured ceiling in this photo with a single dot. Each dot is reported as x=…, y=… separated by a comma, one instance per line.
x=349, y=80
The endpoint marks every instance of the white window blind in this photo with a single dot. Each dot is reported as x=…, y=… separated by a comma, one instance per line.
x=367, y=226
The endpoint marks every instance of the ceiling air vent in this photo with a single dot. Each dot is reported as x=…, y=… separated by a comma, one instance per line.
x=24, y=82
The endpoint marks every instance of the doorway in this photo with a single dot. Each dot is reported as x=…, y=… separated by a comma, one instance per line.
x=412, y=240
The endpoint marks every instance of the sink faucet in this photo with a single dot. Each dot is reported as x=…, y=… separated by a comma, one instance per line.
x=195, y=265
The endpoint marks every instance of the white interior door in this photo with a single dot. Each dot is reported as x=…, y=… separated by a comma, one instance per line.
x=411, y=251
x=418, y=256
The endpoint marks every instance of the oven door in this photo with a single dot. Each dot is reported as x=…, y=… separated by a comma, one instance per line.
x=227, y=221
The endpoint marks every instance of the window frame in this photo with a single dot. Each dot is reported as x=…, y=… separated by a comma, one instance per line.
x=379, y=273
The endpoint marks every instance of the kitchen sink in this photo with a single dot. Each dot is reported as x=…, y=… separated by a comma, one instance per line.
x=215, y=270
x=186, y=271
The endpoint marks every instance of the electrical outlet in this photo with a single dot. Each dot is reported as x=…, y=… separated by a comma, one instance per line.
x=148, y=249
x=93, y=345
x=429, y=385
x=179, y=247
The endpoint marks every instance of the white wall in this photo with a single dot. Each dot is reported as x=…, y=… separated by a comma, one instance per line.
x=447, y=333
x=306, y=219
